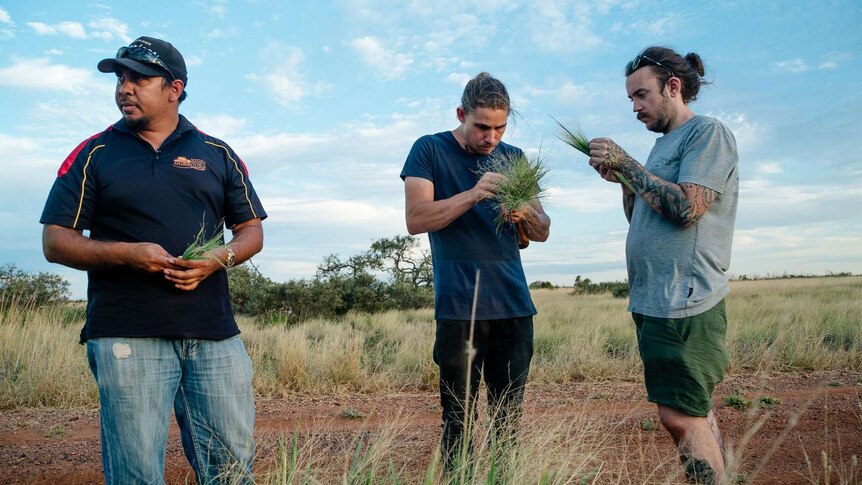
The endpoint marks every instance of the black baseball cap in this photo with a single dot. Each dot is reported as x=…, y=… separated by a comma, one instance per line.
x=149, y=56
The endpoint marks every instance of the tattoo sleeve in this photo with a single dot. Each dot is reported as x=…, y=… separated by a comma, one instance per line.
x=684, y=204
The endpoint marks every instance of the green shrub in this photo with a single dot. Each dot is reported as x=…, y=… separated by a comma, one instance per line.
x=585, y=286
x=541, y=285
x=37, y=289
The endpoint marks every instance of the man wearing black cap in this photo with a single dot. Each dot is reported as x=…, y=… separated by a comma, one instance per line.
x=160, y=332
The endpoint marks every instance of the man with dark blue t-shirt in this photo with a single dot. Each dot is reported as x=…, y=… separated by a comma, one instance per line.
x=447, y=199
x=160, y=332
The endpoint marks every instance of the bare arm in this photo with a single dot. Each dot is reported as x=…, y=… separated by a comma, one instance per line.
x=246, y=242
x=424, y=214
x=684, y=204
x=70, y=247
x=536, y=223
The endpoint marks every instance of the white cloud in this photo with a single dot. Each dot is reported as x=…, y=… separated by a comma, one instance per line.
x=5, y=18
x=335, y=212
x=792, y=65
x=231, y=31
x=769, y=168
x=216, y=8
x=458, y=78
x=564, y=93
x=70, y=29
x=562, y=27
x=386, y=62
x=834, y=60
x=193, y=60
x=814, y=248
x=105, y=28
x=13, y=144
x=220, y=125
x=654, y=27
x=41, y=74
x=748, y=133
x=109, y=28
x=53, y=52
x=286, y=82
x=588, y=197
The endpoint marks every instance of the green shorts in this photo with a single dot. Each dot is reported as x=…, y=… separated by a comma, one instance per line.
x=684, y=358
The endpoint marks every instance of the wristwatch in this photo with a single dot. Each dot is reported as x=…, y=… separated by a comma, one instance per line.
x=230, y=260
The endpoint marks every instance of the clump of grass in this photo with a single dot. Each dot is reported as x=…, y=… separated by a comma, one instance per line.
x=648, y=425
x=200, y=246
x=523, y=182
x=767, y=402
x=352, y=413
x=56, y=431
x=577, y=140
x=737, y=400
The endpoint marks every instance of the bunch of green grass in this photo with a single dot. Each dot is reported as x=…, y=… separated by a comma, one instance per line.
x=200, y=246
x=577, y=140
x=522, y=184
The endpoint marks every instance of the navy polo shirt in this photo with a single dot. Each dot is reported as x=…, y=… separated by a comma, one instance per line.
x=471, y=242
x=118, y=187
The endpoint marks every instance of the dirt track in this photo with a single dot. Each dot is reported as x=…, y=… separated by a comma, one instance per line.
x=52, y=446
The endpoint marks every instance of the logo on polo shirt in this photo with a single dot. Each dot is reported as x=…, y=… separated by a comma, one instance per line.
x=194, y=163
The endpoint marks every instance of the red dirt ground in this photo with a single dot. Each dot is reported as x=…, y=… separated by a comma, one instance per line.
x=60, y=446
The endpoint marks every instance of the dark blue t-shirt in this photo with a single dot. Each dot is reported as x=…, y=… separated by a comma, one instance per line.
x=471, y=242
x=118, y=187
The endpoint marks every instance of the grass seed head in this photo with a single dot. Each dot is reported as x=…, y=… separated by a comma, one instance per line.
x=577, y=140
x=201, y=244
x=523, y=181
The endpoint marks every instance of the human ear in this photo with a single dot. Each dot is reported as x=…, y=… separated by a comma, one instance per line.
x=176, y=89
x=674, y=86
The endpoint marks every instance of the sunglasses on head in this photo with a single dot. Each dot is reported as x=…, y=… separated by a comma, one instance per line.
x=636, y=63
x=142, y=54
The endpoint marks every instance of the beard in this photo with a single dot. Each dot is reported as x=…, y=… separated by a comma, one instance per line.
x=137, y=124
x=660, y=122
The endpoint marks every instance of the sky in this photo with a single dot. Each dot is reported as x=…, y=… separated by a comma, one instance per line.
x=323, y=101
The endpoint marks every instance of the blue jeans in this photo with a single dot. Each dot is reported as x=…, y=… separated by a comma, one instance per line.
x=208, y=385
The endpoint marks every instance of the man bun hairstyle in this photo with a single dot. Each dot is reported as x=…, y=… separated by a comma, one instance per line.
x=667, y=63
x=485, y=91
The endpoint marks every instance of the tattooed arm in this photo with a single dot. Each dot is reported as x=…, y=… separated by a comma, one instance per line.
x=684, y=204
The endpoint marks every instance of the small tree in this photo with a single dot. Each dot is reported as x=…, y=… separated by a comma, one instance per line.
x=20, y=287
x=539, y=285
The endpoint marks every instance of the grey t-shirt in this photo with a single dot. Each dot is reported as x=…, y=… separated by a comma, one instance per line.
x=677, y=272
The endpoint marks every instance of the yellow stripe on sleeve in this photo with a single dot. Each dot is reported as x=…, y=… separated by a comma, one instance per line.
x=83, y=184
x=239, y=171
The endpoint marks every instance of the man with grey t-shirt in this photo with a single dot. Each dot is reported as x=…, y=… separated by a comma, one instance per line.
x=681, y=211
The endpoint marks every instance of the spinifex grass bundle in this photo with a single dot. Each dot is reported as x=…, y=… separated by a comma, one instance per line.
x=577, y=140
x=523, y=182
x=200, y=246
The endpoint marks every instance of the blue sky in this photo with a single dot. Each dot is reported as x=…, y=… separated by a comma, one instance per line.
x=323, y=101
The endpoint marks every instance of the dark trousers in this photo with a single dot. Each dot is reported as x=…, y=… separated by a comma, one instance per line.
x=504, y=349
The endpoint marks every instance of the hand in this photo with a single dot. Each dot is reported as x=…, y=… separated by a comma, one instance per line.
x=148, y=257
x=525, y=214
x=486, y=187
x=190, y=272
x=607, y=173
x=603, y=151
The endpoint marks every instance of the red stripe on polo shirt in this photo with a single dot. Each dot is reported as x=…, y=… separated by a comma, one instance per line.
x=67, y=163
